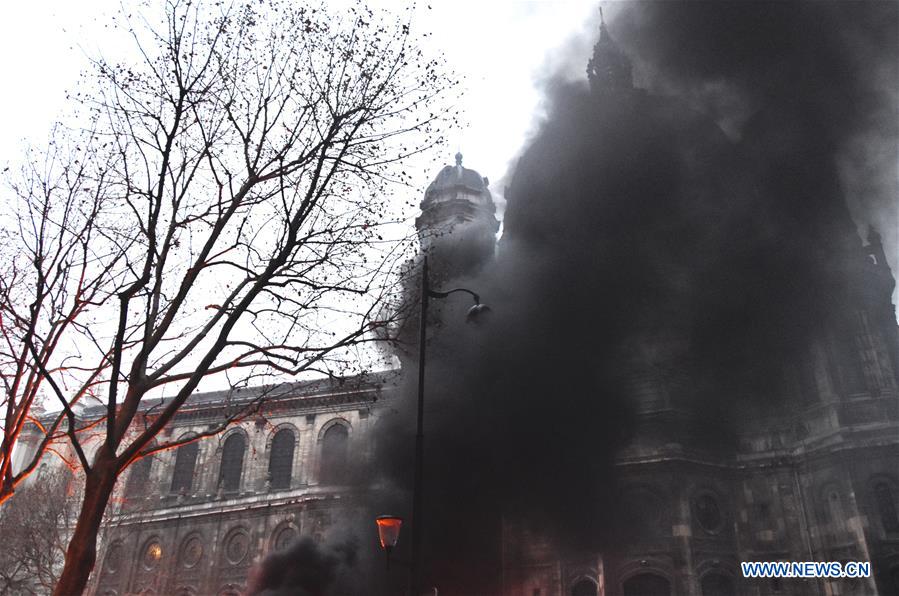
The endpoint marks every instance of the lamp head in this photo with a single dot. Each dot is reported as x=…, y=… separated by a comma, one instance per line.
x=478, y=313
x=388, y=530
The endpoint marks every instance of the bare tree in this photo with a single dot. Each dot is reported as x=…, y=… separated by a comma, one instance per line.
x=35, y=530
x=52, y=283
x=226, y=212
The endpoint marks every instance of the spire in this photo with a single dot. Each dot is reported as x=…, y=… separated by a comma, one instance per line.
x=609, y=70
x=604, y=36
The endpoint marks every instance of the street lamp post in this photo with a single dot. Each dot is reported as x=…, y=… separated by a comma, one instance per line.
x=475, y=312
x=388, y=533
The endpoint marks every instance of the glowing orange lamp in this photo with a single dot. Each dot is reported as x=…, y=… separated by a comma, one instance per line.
x=389, y=530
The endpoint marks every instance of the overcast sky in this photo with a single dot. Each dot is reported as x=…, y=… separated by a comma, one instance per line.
x=500, y=47
x=503, y=49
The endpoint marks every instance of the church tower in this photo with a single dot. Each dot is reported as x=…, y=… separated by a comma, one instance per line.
x=609, y=70
x=457, y=226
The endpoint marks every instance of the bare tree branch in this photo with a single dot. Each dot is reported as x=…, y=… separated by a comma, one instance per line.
x=228, y=210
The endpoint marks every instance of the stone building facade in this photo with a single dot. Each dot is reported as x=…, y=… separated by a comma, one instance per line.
x=193, y=521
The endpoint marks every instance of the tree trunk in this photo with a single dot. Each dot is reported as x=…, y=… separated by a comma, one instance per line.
x=81, y=553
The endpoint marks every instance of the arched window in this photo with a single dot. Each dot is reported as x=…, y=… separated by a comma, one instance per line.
x=717, y=584
x=647, y=584
x=113, y=561
x=185, y=463
x=284, y=537
x=707, y=512
x=232, y=462
x=139, y=478
x=236, y=546
x=280, y=463
x=152, y=554
x=191, y=552
x=835, y=511
x=333, y=466
x=886, y=506
x=584, y=587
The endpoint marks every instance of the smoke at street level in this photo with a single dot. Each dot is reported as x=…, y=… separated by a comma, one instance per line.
x=305, y=569
x=643, y=241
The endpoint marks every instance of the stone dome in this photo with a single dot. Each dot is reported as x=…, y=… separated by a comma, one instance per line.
x=452, y=179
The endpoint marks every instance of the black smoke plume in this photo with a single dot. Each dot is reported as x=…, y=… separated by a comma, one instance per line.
x=690, y=239
x=306, y=569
